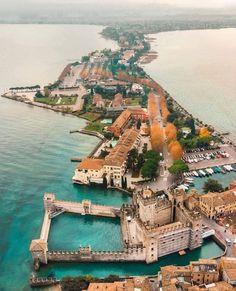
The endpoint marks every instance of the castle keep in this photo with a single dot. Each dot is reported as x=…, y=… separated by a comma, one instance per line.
x=161, y=223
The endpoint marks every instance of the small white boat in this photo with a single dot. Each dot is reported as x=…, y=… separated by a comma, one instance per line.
x=226, y=168
x=195, y=174
x=202, y=172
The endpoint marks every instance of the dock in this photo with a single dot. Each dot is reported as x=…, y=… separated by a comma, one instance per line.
x=88, y=132
x=75, y=159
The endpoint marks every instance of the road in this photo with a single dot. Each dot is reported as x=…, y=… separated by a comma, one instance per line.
x=222, y=233
x=164, y=178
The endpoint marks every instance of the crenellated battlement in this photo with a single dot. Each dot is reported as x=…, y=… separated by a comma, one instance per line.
x=87, y=255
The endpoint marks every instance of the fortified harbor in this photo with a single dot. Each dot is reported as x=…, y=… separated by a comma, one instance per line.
x=154, y=225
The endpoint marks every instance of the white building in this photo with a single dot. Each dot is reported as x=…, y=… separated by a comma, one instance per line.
x=113, y=167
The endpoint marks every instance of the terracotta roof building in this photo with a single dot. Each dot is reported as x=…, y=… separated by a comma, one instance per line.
x=112, y=167
x=214, y=204
x=125, y=119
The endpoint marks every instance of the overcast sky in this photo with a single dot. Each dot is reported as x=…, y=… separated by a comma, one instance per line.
x=177, y=3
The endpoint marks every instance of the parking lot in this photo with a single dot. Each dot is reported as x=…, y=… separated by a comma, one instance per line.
x=225, y=155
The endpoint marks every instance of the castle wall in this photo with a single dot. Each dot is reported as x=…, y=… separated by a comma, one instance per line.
x=135, y=254
x=174, y=241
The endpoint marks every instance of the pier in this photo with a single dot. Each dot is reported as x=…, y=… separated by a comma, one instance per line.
x=88, y=132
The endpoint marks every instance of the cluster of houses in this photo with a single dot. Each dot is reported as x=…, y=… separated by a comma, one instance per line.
x=201, y=275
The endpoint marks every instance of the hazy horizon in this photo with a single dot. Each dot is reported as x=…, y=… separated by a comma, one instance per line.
x=107, y=11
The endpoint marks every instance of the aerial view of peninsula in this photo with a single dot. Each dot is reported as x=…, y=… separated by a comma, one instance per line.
x=118, y=145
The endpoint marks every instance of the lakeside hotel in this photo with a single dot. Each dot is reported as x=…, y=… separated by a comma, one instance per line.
x=113, y=166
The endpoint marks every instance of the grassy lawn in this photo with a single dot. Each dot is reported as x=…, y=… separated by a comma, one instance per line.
x=57, y=100
x=95, y=126
x=91, y=116
x=67, y=100
x=133, y=101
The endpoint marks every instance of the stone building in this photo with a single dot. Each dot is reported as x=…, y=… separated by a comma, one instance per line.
x=161, y=223
x=204, y=271
x=125, y=120
x=113, y=166
x=228, y=269
x=216, y=204
x=131, y=284
x=201, y=275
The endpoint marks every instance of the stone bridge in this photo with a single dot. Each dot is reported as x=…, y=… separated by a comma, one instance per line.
x=53, y=206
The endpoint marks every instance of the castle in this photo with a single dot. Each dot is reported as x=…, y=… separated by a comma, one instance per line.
x=161, y=223
x=154, y=225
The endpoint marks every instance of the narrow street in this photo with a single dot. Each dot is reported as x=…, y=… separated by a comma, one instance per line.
x=221, y=232
x=164, y=179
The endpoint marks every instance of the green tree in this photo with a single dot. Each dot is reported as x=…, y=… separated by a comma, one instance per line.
x=125, y=183
x=153, y=155
x=39, y=95
x=112, y=182
x=178, y=168
x=212, y=185
x=104, y=182
x=149, y=169
x=132, y=159
x=139, y=123
x=191, y=124
x=85, y=59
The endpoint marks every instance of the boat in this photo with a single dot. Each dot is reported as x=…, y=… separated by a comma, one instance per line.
x=226, y=168
x=195, y=173
x=182, y=253
x=191, y=184
x=208, y=171
x=202, y=172
x=212, y=172
x=189, y=180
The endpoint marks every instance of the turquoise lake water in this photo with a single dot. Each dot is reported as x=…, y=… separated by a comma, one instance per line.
x=35, y=152
x=223, y=179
